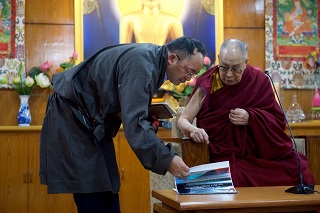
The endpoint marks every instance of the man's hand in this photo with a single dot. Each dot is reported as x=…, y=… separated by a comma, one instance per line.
x=178, y=168
x=199, y=135
x=239, y=116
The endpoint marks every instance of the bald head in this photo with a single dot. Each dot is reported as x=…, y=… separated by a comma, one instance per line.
x=234, y=47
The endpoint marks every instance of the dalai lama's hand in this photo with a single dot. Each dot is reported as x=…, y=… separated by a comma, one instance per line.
x=199, y=135
x=239, y=116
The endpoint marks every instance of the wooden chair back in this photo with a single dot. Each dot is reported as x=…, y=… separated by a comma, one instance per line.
x=193, y=153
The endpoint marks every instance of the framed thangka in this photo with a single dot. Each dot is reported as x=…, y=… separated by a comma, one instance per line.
x=156, y=21
x=11, y=39
x=291, y=36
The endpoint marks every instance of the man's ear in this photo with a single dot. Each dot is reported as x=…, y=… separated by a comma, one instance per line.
x=171, y=58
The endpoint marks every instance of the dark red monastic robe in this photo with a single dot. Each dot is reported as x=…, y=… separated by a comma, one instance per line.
x=260, y=153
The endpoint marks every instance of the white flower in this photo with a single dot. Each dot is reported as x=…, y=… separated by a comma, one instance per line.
x=43, y=80
x=16, y=80
x=29, y=81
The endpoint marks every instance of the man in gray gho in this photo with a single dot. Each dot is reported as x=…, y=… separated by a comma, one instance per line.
x=83, y=115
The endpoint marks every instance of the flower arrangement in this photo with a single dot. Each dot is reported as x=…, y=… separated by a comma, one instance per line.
x=68, y=64
x=38, y=76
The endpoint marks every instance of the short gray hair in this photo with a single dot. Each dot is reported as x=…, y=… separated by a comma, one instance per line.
x=241, y=44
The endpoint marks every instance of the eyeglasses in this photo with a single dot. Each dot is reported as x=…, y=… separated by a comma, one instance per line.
x=232, y=69
x=188, y=73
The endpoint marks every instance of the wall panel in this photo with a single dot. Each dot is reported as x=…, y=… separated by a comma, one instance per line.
x=254, y=38
x=49, y=11
x=243, y=14
x=49, y=42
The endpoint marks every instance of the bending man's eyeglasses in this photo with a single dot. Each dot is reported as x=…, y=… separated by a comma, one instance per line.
x=188, y=73
x=232, y=69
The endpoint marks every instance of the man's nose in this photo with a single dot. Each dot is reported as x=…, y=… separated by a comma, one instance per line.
x=229, y=73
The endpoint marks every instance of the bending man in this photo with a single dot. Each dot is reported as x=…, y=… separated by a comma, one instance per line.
x=83, y=115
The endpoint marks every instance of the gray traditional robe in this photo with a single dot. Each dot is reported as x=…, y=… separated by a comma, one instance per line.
x=76, y=149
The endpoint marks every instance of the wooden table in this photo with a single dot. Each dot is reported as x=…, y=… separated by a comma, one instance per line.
x=310, y=131
x=306, y=128
x=248, y=199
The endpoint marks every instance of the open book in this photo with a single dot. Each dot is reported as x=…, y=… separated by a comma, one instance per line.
x=213, y=178
x=161, y=110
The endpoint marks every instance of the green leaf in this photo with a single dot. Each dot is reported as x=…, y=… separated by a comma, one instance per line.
x=34, y=71
x=20, y=69
x=63, y=65
x=187, y=90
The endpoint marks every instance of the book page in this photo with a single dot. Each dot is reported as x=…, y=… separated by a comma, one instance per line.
x=213, y=178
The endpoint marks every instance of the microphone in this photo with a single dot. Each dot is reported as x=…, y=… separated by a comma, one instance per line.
x=301, y=188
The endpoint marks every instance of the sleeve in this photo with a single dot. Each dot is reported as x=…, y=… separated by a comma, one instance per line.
x=135, y=94
x=267, y=124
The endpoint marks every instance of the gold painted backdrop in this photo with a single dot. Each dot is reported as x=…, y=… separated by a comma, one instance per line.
x=123, y=21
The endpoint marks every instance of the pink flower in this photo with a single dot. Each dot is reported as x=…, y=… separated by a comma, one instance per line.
x=192, y=82
x=75, y=55
x=46, y=66
x=206, y=61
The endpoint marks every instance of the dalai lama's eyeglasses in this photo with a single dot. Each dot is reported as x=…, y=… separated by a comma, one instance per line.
x=188, y=73
x=234, y=70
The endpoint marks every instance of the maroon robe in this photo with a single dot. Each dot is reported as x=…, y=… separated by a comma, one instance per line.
x=260, y=153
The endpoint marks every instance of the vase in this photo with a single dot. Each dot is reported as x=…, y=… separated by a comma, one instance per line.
x=24, y=116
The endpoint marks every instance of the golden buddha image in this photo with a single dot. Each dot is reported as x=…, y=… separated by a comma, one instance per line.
x=146, y=21
x=154, y=21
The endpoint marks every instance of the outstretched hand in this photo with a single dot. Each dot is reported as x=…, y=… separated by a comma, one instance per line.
x=178, y=168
